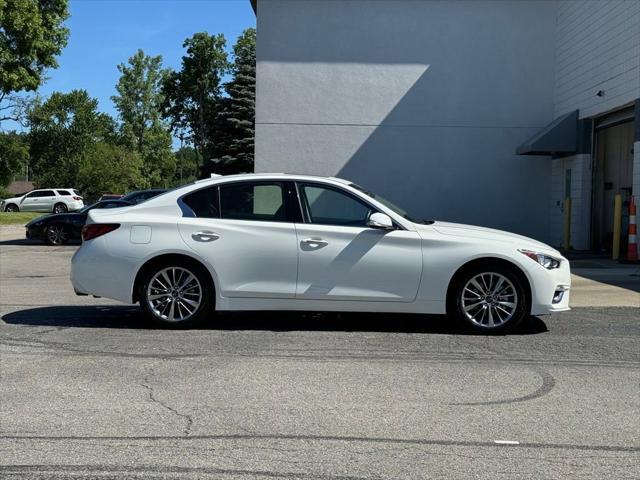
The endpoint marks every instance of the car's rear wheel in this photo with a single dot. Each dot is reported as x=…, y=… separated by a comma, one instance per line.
x=176, y=293
x=489, y=299
x=11, y=208
x=56, y=235
x=60, y=208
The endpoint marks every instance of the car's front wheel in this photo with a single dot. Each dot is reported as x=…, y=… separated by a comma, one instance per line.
x=176, y=293
x=489, y=299
x=11, y=208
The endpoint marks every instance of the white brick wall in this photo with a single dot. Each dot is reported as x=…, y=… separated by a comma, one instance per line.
x=598, y=48
x=580, y=166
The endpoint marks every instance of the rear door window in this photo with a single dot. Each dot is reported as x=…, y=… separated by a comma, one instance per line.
x=262, y=201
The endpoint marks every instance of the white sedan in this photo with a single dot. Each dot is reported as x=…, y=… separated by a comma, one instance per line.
x=293, y=242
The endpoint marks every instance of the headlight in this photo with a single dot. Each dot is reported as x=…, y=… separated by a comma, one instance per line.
x=545, y=260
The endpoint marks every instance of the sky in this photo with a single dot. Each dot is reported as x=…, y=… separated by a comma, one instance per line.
x=105, y=33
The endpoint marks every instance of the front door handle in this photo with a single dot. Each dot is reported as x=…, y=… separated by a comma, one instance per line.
x=205, y=236
x=315, y=242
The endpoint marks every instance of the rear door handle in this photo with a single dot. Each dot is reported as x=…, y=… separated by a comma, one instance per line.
x=315, y=242
x=205, y=236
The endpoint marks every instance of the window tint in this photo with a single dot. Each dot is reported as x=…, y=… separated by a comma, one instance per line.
x=47, y=193
x=204, y=203
x=253, y=201
x=64, y=192
x=112, y=205
x=31, y=195
x=327, y=206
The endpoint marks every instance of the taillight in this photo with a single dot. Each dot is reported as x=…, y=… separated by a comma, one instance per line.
x=97, y=229
x=77, y=198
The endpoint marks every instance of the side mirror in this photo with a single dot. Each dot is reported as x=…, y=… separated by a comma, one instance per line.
x=381, y=221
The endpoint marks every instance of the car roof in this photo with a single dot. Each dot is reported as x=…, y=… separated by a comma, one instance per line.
x=145, y=191
x=290, y=176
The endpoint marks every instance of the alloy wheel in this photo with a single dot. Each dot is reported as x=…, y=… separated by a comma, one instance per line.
x=59, y=209
x=489, y=299
x=174, y=294
x=56, y=235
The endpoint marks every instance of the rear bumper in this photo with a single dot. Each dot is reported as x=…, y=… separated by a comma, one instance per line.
x=95, y=272
x=75, y=205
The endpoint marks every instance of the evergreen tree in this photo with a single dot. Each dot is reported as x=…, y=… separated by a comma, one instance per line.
x=235, y=122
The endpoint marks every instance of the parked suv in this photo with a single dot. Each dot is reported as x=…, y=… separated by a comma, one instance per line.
x=56, y=200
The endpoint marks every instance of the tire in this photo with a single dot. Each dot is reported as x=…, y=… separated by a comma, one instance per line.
x=489, y=299
x=60, y=208
x=169, y=297
x=11, y=208
x=56, y=234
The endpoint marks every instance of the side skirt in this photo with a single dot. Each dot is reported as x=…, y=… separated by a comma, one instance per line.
x=426, y=307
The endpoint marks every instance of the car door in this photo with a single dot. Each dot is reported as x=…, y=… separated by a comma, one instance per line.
x=341, y=258
x=245, y=231
x=46, y=201
x=30, y=202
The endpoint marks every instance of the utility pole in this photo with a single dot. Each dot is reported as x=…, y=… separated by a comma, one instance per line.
x=181, y=154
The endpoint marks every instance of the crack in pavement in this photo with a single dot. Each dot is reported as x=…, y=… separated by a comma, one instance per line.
x=152, y=396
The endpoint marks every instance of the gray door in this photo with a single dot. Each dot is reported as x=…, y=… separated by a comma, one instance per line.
x=612, y=176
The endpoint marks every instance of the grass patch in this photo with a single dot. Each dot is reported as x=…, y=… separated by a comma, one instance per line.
x=18, y=218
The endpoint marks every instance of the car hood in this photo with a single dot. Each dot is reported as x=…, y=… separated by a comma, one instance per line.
x=50, y=217
x=12, y=199
x=473, y=231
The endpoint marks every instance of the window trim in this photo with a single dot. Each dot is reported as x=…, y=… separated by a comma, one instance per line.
x=292, y=213
x=188, y=212
x=304, y=206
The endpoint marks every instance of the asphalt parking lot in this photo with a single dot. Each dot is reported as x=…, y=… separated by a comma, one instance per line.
x=87, y=390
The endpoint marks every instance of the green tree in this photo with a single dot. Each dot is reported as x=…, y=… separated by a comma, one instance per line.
x=62, y=129
x=192, y=95
x=14, y=156
x=32, y=35
x=109, y=168
x=139, y=103
x=236, y=113
x=188, y=165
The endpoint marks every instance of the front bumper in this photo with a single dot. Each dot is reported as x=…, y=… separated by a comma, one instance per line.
x=551, y=289
x=35, y=233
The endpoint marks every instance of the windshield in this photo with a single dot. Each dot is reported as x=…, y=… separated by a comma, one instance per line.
x=392, y=206
x=88, y=207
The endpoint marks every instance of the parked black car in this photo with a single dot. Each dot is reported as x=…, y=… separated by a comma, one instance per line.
x=59, y=228
x=140, y=196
